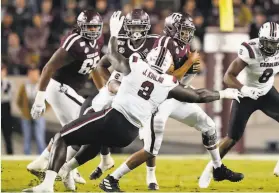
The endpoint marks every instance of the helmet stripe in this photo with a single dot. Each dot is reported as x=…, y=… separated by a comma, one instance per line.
x=274, y=29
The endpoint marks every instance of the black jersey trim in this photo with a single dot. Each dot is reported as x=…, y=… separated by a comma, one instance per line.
x=250, y=50
x=153, y=136
x=73, y=99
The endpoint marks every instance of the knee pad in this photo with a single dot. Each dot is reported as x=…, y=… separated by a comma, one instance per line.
x=204, y=123
x=209, y=138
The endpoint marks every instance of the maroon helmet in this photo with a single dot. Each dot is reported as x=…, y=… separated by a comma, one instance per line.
x=180, y=26
x=90, y=23
x=137, y=24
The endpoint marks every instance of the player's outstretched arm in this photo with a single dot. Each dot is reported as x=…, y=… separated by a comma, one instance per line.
x=193, y=96
x=234, y=69
x=202, y=95
x=119, y=62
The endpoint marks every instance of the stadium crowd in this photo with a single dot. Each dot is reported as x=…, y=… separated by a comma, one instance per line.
x=32, y=29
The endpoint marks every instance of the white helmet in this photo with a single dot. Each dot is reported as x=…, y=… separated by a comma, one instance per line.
x=269, y=38
x=160, y=59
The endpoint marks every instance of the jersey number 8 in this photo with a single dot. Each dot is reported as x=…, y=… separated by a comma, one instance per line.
x=266, y=75
x=146, y=90
x=88, y=64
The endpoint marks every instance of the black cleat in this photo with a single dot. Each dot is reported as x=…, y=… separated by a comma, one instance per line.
x=96, y=174
x=153, y=186
x=109, y=184
x=223, y=173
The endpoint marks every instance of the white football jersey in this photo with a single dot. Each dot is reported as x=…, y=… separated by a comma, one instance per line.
x=142, y=91
x=260, y=70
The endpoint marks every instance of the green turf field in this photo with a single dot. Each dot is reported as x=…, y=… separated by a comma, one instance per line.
x=174, y=175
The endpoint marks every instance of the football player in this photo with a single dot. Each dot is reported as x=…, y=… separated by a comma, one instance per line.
x=144, y=87
x=258, y=62
x=136, y=39
x=179, y=30
x=65, y=73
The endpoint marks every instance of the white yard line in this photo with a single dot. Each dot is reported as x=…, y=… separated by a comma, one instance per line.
x=170, y=157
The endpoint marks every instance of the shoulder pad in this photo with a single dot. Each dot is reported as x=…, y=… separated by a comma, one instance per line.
x=69, y=41
x=246, y=52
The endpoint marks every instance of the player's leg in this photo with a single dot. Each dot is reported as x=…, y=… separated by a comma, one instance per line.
x=102, y=101
x=87, y=129
x=152, y=143
x=160, y=120
x=66, y=104
x=193, y=116
x=240, y=113
x=270, y=106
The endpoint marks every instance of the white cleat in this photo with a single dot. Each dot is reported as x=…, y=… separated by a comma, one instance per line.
x=39, y=164
x=276, y=170
x=39, y=188
x=78, y=178
x=67, y=179
x=38, y=167
x=69, y=182
x=206, y=176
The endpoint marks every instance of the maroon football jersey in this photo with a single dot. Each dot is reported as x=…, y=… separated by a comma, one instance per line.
x=85, y=56
x=126, y=48
x=178, y=53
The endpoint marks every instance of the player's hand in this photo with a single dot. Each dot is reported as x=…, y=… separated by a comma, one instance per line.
x=230, y=93
x=116, y=23
x=251, y=92
x=39, y=105
x=194, y=57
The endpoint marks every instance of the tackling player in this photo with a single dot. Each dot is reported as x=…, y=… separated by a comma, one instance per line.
x=136, y=25
x=64, y=74
x=259, y=60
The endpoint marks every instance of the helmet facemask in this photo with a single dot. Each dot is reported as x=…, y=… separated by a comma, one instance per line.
x=136, y=29
x=90, y=31
x=269, y=46
x=185, y=34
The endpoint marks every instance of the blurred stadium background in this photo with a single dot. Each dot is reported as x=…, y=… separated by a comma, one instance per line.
x=31, y=31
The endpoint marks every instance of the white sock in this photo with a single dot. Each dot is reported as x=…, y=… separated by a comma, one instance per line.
x=215, y=156
x=49, y=178
x=45, y=154
x=72, y=164
x=120, y=171
x=105, y=158
x=150, y=175
x=70, y=153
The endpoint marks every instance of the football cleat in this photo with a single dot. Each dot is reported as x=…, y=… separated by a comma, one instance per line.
x=109, y=184
x=223, y=173
x=153, y=186
x=39, y=188
x=78, y=178
x=97, y=173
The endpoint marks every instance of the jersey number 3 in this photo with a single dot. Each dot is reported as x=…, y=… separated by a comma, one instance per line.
x=88, y=64
x=146, y=90
x=266, y=75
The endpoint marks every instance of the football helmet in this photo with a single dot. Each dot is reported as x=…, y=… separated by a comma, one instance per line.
x=90, y=23
x=137, y=24
x=160, y=59
x=180, y=26
x=269, y=38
